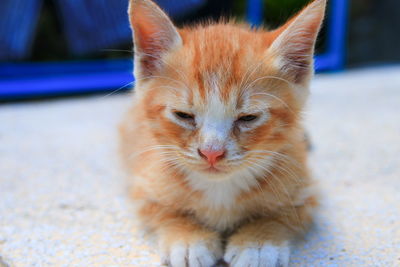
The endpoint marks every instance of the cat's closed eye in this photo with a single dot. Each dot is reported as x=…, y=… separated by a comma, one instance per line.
x=183, y=115
x=247, y=118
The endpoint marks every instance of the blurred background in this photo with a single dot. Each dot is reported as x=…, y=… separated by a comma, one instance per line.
x=66, y=47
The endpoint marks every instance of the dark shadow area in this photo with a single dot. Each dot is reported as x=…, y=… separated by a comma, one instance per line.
x=373, y=32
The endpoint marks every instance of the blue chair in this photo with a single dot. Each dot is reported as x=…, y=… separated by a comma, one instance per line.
x=26, y=80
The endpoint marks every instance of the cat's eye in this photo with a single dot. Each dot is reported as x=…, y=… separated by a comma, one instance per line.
x=247, y=118
x=183, y=115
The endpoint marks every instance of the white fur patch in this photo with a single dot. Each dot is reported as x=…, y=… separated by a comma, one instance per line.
x=258, y=256
x=193, y=255
x=217, y=119
x=221, y=191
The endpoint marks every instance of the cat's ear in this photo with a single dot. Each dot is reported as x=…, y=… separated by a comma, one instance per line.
x=294, y=45
x=154, y=35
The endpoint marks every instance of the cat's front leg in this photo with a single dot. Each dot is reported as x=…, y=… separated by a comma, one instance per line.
x=182, y=243
x=261, y=243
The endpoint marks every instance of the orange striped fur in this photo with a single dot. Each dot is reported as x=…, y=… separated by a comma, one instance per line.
x=195, y=86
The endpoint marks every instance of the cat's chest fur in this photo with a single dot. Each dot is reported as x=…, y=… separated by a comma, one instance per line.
x=218, y=205
x=221, y=192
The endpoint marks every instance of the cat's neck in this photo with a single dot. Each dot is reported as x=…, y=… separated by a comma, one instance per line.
x=221, y=192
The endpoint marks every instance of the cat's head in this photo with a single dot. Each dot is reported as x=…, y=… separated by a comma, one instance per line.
x=222, y=97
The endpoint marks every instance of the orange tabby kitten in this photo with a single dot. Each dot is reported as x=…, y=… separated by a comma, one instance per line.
x=214, y=143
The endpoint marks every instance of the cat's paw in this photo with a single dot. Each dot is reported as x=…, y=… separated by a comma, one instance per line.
x=192, y=254
x=255, y=255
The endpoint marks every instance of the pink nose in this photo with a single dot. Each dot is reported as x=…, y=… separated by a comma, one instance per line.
x=211, y=155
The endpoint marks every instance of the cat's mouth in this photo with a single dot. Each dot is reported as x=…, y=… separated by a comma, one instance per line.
x=213, y=169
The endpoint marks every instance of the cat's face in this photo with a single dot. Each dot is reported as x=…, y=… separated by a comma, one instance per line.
x=221, y=101
x=221, y=98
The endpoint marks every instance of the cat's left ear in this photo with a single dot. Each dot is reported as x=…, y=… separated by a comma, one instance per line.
x=154, y=35
x=293, y=47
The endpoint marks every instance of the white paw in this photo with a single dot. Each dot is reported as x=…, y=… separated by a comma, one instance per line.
x=251, y=255
x=191, y=255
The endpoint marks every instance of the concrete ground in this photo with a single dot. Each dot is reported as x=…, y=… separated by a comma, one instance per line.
x=63, y=201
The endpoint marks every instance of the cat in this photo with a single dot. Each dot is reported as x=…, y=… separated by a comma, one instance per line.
x=213, y=142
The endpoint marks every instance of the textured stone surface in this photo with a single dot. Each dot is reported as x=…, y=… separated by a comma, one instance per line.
x=63, y=202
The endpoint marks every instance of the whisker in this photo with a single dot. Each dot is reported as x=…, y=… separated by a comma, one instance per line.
x=117, y=50
x=117, y=90
x=265, y=178
x=150, y=148
x=274, y=97
x=276, y=156
x=291, y=203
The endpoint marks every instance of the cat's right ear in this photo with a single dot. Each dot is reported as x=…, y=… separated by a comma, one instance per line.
x=154, y=35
